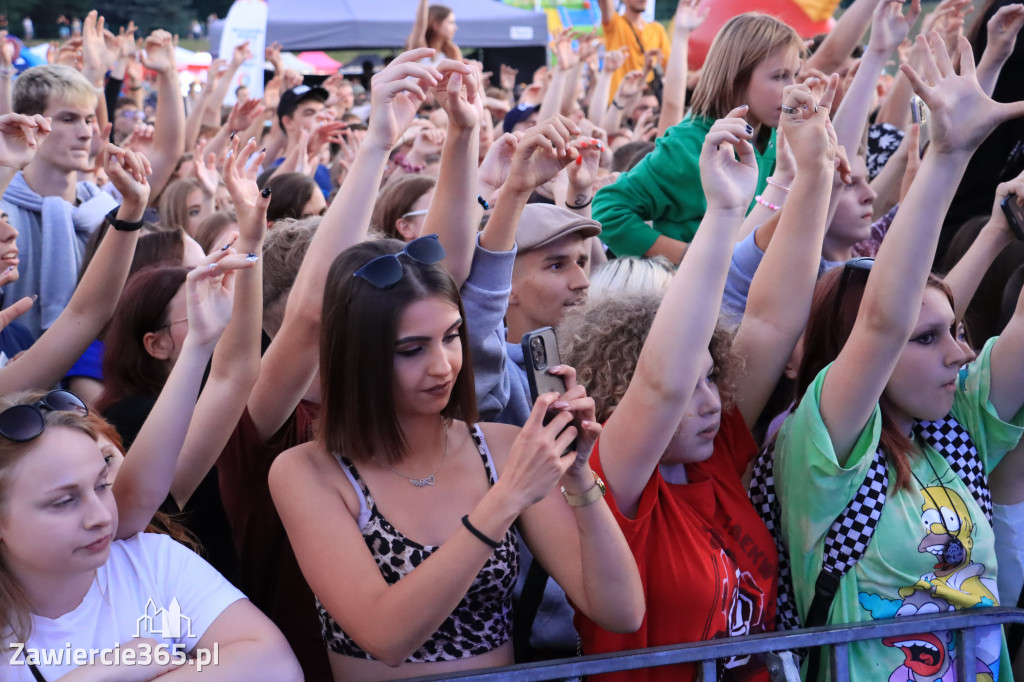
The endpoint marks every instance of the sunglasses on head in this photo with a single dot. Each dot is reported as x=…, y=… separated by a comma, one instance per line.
x=856, y=265
x=23, y=423
x=387, y=270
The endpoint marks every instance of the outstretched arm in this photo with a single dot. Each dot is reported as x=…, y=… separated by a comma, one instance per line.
x=147, y=473
x=673, y=359
x=418, y=35
x=673, y=106
x=780, y=293
x=169, y=135
x=844, y=36
x=92, y=304
x=290, y=363
x=961, y=117
x=454, y=213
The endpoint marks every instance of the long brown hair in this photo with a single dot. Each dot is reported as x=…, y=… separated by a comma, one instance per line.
x=831, y=321
x=397, y=199
x=357, y=355
x=740, y=45
x=435, y=15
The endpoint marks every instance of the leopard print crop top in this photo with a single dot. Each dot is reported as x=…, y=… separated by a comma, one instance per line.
x=483, y=619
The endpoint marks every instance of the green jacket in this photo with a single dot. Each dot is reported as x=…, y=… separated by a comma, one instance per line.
x=663, y=188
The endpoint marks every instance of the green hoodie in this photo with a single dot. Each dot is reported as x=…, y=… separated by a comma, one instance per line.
x=663, y=188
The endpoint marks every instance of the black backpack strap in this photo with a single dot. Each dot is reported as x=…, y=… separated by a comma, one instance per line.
x=526, y=610
x=762, y=496
x=953, y=442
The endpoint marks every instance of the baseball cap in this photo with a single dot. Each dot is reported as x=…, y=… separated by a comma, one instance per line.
x=542, y=224
x=290, y=99
x=518, y=115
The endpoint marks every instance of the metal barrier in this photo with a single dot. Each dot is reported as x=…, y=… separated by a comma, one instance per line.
x=707, y=653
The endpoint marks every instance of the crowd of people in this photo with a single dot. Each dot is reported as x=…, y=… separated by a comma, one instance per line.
x=268, y=404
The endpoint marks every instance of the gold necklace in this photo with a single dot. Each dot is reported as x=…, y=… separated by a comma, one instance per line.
x=429, y=480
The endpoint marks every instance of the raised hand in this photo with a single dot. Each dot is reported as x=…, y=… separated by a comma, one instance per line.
x=206, y=169
x=20, y=137
x=630, y=89
x=614, y=59
x=890, y=27
x=567, y=57
x=497, y=163
x=128, y=171
x=729, y=182
x=808, y=130
x=457, y=93
x=542, y=153
x=159, y=52
x=99, y=47
x=326, y=131
x=210, y=294
x=141, y=138
x=397, y=93
x=240, y=178
x=583, y=172
x=576, y=402
x=689, y=17
x=1003, y=28
x=1015, y=190
x=507, y=78
x=962, y=115
x=272, y=53
x=244, y=113
x=240, y=54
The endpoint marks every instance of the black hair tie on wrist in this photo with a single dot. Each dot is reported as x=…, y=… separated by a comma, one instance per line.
x=483, y=538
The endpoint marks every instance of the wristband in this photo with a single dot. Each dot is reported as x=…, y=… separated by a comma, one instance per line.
x=764, y=202
x=483, y=202
x=771, y=181
x=123, y=225
x=480, y=536
x=579, y=206
x=589, y=497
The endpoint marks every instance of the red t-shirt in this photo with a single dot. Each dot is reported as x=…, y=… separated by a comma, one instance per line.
x=268, y=571
x=707, y=562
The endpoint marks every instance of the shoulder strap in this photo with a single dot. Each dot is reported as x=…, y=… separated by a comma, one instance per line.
x=636, y=36
x=953, y=442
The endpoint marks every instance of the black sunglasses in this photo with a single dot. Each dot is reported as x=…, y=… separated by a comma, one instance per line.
x=862, y=264
x=386, y=271
x=23, y=423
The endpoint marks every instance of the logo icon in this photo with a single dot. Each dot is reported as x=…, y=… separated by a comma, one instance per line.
x=164, y=623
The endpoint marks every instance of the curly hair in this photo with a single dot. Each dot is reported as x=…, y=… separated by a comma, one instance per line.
x=603, y=340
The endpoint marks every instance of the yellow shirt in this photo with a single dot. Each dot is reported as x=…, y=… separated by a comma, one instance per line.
x=617, y=33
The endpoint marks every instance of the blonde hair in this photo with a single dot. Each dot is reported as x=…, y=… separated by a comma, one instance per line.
x=742, y=43
x=40, y=85
x=15, y=609
x=631, y=276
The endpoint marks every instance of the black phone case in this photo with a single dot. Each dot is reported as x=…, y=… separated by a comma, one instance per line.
x=1014, y=215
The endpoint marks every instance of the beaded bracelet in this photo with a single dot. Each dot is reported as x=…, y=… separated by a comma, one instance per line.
x=764, y=202
x=771, y=181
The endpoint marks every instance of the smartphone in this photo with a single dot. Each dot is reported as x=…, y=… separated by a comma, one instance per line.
x=540, y=351
x=1014, y=215
x=919, y=114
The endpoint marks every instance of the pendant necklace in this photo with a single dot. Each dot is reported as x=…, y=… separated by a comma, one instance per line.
x=429, y=480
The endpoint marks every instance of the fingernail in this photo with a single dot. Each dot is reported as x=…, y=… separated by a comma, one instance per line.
x=263, y=150
x=265, y=192
x=251, y=140
x=560, y=404
x=211, y=266
x=252, y=258
x=586, y=423
x=35, y=297
x=230, y=152
x=232, y=135
x=750, y=129
x=226, y=247
x=556, y=368
x=9, y=268
x=579, y=160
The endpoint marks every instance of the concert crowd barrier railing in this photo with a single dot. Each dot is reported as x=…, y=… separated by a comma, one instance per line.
x=775, y=644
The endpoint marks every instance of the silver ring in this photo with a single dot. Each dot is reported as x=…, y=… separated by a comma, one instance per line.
x=789, y=110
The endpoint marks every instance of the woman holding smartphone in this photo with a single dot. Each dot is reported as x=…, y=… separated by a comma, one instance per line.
x=400, y=512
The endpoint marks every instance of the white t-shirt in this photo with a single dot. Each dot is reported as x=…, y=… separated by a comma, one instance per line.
x=133, y=595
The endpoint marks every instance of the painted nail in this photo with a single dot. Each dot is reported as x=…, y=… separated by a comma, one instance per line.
x=252, y=258
x=750, y=129
x=560, y=405
x=226, y=247
x=230, y=152
x=232, y=135
x=263, y=150
x=251, y=140
x=211, y=266
x=35, y=297
x=265, y=192
x=579, y=160
x=9, y=269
